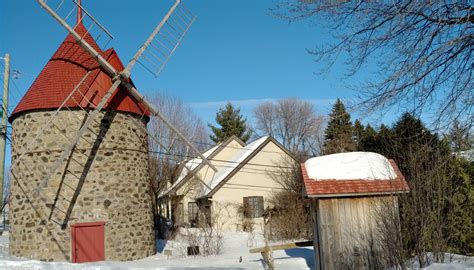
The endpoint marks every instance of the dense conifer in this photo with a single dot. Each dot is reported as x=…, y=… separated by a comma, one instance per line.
x=231, y=122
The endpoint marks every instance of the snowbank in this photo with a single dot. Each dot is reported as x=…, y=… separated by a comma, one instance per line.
x=451, y=262
x=347, y=166
x=236, y=245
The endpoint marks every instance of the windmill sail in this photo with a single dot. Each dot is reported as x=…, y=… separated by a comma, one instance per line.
x=94, y=28
x=163, y=41
x=67, y=167
x=124, y=75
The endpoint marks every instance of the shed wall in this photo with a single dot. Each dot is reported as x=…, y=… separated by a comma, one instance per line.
x=350, y=231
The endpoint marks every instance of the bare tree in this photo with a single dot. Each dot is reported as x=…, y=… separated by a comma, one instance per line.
x=423, y=50
x=169, y=151
x=293, y=122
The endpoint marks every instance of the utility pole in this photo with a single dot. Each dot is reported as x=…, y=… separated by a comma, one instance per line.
x=3, y=128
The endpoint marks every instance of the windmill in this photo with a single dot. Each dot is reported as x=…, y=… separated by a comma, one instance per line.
x=94, y=118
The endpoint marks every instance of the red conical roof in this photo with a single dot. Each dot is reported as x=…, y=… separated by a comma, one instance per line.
x=64, y=71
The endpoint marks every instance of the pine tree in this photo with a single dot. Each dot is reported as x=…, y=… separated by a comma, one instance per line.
x=338, y=134
x=358, y=133
x=366, y=138
x=432, y=213
x=231, y=123
x=436, y=214
x=460, y=202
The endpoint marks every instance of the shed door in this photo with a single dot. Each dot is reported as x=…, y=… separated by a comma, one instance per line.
x=87, y=242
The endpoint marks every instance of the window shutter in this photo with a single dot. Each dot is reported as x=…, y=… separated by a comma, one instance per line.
x=246, y=207
x=260, y=206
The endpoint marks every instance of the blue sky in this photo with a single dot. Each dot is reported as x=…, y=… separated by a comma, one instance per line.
x=236, y=51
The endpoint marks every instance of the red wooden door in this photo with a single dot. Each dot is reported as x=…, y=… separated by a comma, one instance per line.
x=87, y=242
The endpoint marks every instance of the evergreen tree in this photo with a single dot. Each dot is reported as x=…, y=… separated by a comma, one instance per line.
x=460, y=202
x=384, y=141
x=369, y=142
x=231, y=123
x=338, y=135
x=358, y=133
x=436, y=214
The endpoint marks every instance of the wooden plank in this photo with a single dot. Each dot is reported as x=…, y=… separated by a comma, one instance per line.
x=354, y=230
x=328, y=244
x=317, y=236
x=364, y=227
x=344, y=221
x=282, y=246
x=335, y=228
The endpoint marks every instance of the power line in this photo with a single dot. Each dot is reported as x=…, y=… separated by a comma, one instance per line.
x=212, y=145
x=226, y=161
x=13, y=93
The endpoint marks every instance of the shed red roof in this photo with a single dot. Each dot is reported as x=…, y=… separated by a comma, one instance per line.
x=354, y=187
x=63, y=72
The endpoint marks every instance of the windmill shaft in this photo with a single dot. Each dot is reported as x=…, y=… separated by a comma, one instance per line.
x=145, y=45
x=186, y=167
x=141, y=98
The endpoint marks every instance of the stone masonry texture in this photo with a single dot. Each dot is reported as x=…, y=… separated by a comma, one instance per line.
x=104, y=179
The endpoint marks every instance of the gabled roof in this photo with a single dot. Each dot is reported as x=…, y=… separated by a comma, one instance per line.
x=189, y=168
x=192, y=166
x=224, y=173
x=237, y=162
x=244, y=154
x=352, y=174
x=69, y=64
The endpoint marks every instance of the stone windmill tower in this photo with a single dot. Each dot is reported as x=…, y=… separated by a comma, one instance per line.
x=80, y=151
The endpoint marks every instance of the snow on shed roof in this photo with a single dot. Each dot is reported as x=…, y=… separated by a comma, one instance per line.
x=353, y=165
x=352, y=174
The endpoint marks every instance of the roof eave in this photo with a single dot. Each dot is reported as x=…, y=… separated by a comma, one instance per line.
x=360, y=194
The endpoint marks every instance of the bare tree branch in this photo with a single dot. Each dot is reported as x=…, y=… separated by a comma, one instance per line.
x=423, y=51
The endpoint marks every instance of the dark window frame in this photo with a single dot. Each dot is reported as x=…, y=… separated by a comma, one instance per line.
x=253, y=206
x=193, y=213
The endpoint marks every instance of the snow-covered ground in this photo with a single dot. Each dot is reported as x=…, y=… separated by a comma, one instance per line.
x=236, y=245
x=451, y=262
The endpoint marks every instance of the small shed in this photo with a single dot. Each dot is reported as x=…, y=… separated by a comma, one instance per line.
x=355, y=209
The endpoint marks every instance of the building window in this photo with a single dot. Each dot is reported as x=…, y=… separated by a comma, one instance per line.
x=253, y=206
x=193, y=213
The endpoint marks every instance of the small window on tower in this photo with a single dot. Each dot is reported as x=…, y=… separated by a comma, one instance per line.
x=253, y=206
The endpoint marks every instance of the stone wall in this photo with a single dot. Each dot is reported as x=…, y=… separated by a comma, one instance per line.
x=105, y=179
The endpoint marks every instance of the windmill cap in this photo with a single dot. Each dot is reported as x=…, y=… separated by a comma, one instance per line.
x=64, y=71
